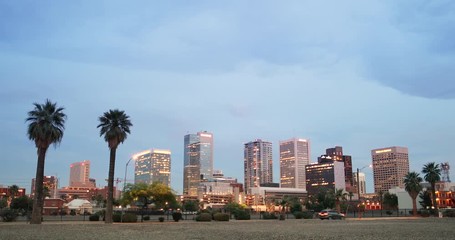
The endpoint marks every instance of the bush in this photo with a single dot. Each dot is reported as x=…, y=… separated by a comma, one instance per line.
x=8, y=215
x=94, y=217
x=221, y=217
x=127, y=217
x=307, y=215
x=161, y=219
x=147, y=218
x=204, y=217
x=242, y=215
x=424, y=213
x=449, y=213
x=388, y=212
x=267, y=215
x=298, y=215
x=282, y=216
x=177, y=216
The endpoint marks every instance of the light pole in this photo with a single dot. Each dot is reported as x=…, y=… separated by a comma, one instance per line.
x=124, y=185
x=358, y=179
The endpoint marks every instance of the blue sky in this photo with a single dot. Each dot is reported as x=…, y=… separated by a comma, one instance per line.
x=360, y=74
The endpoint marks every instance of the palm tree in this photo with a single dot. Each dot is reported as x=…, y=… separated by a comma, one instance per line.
x=115, y=125
x=339, y=195
x=412, y=182
x=46, y=126
x=13, y=190
x=432, y=175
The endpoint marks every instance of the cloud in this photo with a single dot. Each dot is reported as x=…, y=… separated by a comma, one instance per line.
x=415, y=52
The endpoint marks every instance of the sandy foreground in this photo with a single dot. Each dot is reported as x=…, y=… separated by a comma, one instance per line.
x=409, y=228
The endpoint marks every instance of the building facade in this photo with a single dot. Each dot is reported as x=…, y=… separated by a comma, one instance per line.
x=80, y=174
x=362, y=181
x=198, y=161
x=294, y=156
x=50, y=184
x=390, y=165
x=153, y=166
x=324, y=176
x=258, y=164
x=336, y=154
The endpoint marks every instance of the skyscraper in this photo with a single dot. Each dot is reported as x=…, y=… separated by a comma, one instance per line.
x=327, y=175
x=198, y=161
x=80, y=174
x=294, y=156
x=390, y=165
x=362, y=182
x=336, y=154
x=153, y=166
x=258, y=164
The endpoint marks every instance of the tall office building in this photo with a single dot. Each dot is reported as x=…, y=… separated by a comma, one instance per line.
x=294, y=156
x=328, y=175
x=258, y=164
x=80, y=174
x=198, y=161
x=390, y=165
x=336, y=154
x=50, y=183
x=362, y=182
x=153, y=166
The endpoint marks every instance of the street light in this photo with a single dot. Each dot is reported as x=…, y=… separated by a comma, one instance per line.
x=358, y=178
x=124, y=185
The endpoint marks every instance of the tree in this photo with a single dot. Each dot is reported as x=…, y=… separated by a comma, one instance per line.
x=426, y=199
x=13, y=190
x=191, y=206
x=432, y=175
x=141, y=194
x=412, y=182
x=339, y=195
x=3, y=203
x=46, y=126
x=22, y=203
x=163, y=196
x=390, y=201
x=115, y=126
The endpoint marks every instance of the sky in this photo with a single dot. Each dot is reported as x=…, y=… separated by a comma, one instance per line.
x=356, y=74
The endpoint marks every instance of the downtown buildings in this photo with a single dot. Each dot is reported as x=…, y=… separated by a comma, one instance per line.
x=153, y=166
x=80, y=174
x=390, y=166
x=197, y=161
x=294, y=156
x=258, y=164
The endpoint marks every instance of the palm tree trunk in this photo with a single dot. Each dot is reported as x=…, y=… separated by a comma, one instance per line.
x=38, y=200
x=433, y=191
x=414, y=206
x=110, y=187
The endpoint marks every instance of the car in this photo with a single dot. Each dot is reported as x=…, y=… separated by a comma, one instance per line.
x=330, y=214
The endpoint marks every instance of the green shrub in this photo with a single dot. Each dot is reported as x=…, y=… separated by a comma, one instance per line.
x=94, y=217
x=127, y=217
x=161, y=219
x=298, y=215
x=449, y=213
x=242, y=215
x=267, y=215
x=424, y=213
x=388, y=212
x=146, y=218
x=221, y=217
x=8, y=215
x=307, y=215
x=204, y=217
x=177, y=216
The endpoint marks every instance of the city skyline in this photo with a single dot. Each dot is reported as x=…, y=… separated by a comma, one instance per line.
x=362, y=75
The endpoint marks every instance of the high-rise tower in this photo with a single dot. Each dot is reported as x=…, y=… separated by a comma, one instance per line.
x=153, y=166
x=80, y=174
x=390, y=165
x=258, y=164
x=294, y=156
x=198, y=161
